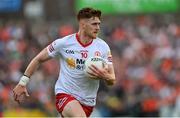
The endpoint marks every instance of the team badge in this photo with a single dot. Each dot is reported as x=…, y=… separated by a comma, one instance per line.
x=97, y=53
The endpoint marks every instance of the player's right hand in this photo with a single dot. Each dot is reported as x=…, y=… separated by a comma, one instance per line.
x=20, y=93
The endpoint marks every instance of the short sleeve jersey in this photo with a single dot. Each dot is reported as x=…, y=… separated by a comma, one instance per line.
x=73, y=54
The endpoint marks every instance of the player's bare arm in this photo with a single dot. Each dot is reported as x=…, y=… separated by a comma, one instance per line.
x=20, y=90
x=106, y=74
x=34, y=64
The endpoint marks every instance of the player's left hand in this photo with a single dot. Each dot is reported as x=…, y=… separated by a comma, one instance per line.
x=99, y=73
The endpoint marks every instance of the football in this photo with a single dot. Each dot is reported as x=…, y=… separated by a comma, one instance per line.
x=97, y=61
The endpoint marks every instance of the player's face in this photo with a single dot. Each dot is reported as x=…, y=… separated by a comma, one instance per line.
x=92, y=27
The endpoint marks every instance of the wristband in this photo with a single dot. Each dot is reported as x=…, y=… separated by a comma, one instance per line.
x=26, y=76
x=24, y=80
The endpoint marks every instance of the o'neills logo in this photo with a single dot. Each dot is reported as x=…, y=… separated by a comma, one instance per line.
x=110, y=58
x=50, y=48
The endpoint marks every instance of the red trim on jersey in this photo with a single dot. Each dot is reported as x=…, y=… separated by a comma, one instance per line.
x=84, y=45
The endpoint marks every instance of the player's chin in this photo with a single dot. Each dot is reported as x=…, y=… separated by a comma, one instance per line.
x=94, y=35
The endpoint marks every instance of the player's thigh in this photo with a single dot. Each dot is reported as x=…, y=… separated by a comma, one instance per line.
x=73, y=109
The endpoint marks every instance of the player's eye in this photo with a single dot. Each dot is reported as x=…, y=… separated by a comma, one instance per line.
x=95, y=23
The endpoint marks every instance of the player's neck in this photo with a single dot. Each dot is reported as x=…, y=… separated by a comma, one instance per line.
x=84, y=39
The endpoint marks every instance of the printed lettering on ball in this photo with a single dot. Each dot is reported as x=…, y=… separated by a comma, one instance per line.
x=97, y=61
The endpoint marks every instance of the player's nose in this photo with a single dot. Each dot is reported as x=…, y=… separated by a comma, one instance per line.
x=98, y=27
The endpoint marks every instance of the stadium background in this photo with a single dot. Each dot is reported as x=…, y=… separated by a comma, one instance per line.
x=144, y=36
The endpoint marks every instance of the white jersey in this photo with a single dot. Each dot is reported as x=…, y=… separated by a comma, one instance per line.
x=73, y=54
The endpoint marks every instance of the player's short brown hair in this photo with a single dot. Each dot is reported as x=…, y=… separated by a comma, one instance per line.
x=88, y=13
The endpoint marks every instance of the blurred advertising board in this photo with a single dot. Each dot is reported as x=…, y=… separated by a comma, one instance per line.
x=20, y=112
x=130, y=6
x=10, y=5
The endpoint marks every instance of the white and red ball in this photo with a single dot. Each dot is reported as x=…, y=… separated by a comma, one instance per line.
x=97, y=61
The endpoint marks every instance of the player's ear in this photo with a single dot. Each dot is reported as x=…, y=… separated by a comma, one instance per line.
x=82, y=23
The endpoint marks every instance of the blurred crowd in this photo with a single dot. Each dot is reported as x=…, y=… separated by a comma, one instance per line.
x=146, y=56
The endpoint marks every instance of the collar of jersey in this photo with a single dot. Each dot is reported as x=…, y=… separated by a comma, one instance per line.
x=83, y=45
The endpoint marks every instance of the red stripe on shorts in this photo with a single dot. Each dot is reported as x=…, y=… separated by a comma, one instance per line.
x=62, y=99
